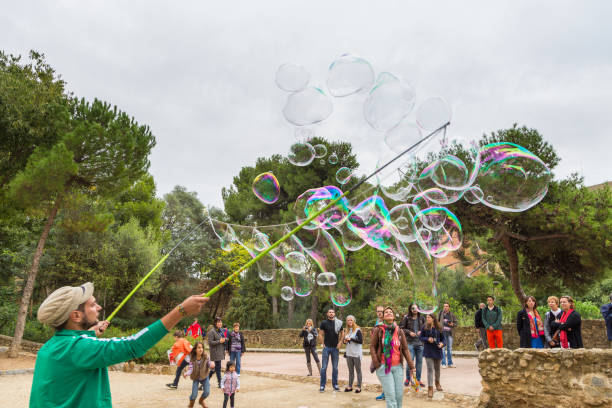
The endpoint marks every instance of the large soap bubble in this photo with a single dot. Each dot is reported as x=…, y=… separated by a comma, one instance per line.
x=301, y=154
x=266, y=188
x=326, y=279
x=510, y=177
x=450, y=172
x=297, y=262
x=292, y=77
x=390, y=101
x=348, y=75
x=403, y=136
x=307, y=107
x=343, y=175
x=433, y=113
x=286, y=293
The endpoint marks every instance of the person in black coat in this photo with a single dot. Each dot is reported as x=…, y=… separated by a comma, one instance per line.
x=309, y=333
x=530, y=325
x=433, y=340
x=480, y=327
x=569, y=325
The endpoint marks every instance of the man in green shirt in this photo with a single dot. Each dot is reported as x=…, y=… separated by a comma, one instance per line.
x=71, y=368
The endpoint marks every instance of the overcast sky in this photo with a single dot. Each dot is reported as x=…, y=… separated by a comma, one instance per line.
x=202, y=75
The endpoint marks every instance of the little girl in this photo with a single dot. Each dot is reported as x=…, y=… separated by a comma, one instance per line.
x=230, y=384
x=198, y=371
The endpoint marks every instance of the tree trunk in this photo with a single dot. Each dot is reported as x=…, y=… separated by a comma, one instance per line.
x=29, y=286
x=290, y=308
x=274, y=306
x=515, y=278
x=314, y=305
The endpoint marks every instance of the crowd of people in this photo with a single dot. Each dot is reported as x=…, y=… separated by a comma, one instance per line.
x=202, y=366
x=76, y=355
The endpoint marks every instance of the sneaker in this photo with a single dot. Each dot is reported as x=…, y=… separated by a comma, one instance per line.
x=322, y=389
x=443, y=365
x=171, y=386
x=336, y=388
x=381, y=397
x=421, y=384
x=452, y=366
x=406, y=383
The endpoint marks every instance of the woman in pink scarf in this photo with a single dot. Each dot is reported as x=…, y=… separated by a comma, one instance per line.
x=569, y=325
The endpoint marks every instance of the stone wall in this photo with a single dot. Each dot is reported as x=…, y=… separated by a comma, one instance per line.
x=545, y=378
x=26, y=345
x=593, y=335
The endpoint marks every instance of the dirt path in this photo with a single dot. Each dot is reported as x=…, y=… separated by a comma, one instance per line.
x=139, y=390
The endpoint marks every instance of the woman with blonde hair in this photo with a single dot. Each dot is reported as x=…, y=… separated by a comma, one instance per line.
x=309, y=333
x=552, y=315
x=569, y=325
x=353, y=340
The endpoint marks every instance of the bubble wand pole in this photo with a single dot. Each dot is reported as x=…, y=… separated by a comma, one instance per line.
x=315, y=215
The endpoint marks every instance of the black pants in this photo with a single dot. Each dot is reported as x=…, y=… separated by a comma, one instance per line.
x=179, y=369
x=217, y=371
x=313, y=351
x=231, y=399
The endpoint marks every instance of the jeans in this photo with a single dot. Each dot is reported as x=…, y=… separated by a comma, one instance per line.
x=179, y=369
x=335, y=354
x=194, y=389
x=235, y=356
x=447, y=351
x=433, y=367
x=309, y=351
x=416, y=351
x=217, y=371
x=354, y=364
x=392, y=385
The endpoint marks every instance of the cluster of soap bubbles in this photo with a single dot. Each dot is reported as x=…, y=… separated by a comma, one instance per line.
x=406, y=206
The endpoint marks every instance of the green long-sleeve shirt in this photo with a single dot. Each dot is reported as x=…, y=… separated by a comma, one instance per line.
x=71, y=368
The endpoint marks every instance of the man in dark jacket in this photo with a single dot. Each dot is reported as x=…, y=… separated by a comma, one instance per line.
x=606, y=312
x=411, y=326
x=480, y=328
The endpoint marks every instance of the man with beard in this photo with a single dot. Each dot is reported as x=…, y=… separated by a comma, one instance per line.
x=71, y=368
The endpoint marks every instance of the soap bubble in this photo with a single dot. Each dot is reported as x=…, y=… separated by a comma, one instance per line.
x=350, y=240
x=322, y=162
x=266, y=268
x=326, y=279
x=511, y=177
x=473, y=195
x=390, y=101
x=292, y=77
x=333, y=158
x=307, y=107
x=433, y=113
x=320, y=151
x=266, y=188
x=343, y=175
x=340, y=293
x=286, y=293
x=348, y=75
x=450, y=172
x=297, y=262
x=301, y=154
x=403, y=136
x=261, y=241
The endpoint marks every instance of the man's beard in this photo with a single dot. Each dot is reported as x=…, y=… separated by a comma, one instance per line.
x=86, y=323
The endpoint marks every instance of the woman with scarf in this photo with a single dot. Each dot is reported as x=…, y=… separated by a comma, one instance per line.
x=309, y=333
x=388, y=349
x=569, y=325
x=530, y=325
x=433, y=339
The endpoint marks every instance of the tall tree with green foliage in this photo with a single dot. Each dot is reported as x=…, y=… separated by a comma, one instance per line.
x=99, y=151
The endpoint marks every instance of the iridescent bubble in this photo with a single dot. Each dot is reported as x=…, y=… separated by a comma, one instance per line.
x=320, y=151
x=426, y=300
x=314, y=200
x=403, y=136
x=333, y=158
x=326, y=279
x=350, y=240
x=225, y=233
x=261, y=241
x=266, y=268
x=389, y=101
x=401, y=216
x=307, y=107
x=343, y=175
x=473, y=195
x=451, y=173
x=442, y=239
x=511, y=177
x=301, y=154
x=348, y=75
x=340, y=293
x=286, y=293
x=292, y=77
x=297, y=262
x=266, y=187
x=433, y=113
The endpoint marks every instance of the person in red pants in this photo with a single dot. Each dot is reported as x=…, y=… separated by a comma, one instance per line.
x=492, y=318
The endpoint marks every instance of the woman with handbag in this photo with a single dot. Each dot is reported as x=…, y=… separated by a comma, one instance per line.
x=529, y=325
x=569, y=325
x=309, y=333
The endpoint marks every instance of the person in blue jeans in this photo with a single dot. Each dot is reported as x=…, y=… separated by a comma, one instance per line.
x=448, y=321
x=412, y=324
x=331, y=337
x=379, y=321
x=236, y=346
x=198, y=370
